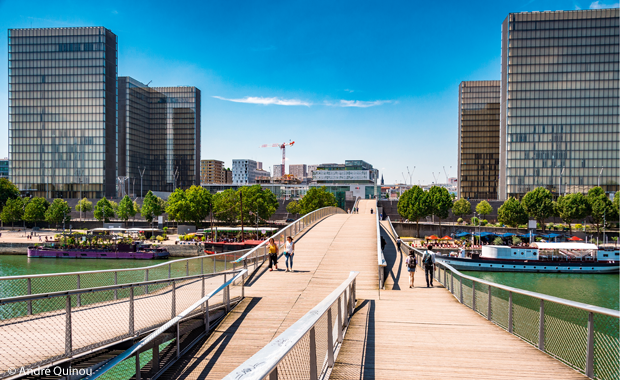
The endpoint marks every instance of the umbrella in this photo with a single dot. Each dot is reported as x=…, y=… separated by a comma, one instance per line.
x=446, y=238
x=575, y=238
x=432, y=237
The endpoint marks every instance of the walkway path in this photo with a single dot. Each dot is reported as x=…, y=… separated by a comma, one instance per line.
x=425, y=333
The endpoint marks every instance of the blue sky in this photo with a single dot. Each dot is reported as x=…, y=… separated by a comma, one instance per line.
x=376, y=81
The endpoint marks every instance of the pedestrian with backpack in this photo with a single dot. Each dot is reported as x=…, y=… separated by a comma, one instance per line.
x=411, y=262
x=428, y=260
x=273, y=254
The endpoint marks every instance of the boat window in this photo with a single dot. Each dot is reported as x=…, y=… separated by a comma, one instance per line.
x=514, y=253
x=605, y=255
x=534, y=253
x=521, y=252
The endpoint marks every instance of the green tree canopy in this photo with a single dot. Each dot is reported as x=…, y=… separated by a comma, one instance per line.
x=512, y=213
x=179, y=208
x=104, y=210
x=601, y=208
x=201, y=202
x=58, y=212
x=226, y=207
x=414, y=205
x=538, y=204
x=461, y=207
x=84, y=205
x=35, y=210
x=616, y=202
x=316, y=198
x=572, y=207
x=125, y=209
x=258, y=201
x=293, y=208
x=440, y=202
x=7, y=191
x=151, y=207
x=12, y=211
x=484, y=208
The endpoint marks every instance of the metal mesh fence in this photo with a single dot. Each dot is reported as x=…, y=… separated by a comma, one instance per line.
x=566, y=333
x=526, y=317
x=606, y=347
x=499, y=307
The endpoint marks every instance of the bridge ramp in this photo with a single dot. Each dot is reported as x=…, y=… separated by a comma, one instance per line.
x=425, y=333
x=324, y=256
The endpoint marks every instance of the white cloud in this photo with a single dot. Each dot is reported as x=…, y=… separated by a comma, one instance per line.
x=349, y=91
x=358, y=103
x=597, y=5
x=268, y=101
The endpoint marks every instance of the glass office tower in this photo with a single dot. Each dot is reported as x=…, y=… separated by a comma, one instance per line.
x=62, y=111
x=159, y=129
x=559, y=102
x=478, y=166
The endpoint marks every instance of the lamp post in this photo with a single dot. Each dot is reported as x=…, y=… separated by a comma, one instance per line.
x=141, y=174
x=598, y=181
x=560, y=184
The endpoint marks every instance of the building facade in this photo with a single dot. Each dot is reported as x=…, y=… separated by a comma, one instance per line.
x=159, y=135
x=62, y=111
x=559, y=102
x=478, y=148
x=277, y=171
x=212, y=171
x=352, y=171
x=4, y=168
x=310, y=169
x=299, y=171
x=244, y=172
x=228, y=176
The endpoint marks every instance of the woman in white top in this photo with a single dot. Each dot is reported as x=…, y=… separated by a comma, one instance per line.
x=289, y=252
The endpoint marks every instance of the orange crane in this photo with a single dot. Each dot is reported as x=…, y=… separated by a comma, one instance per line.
x=283, y=147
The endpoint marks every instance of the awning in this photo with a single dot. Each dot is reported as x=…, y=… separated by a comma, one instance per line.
x=575, y=238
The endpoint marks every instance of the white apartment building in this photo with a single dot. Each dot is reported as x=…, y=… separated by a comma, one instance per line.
x=244, y=172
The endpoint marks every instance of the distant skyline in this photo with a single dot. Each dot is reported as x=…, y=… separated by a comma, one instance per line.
x=344, y=80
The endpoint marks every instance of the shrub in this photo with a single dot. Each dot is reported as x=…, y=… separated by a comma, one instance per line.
x=160, y=238
x=459, y=220
x=550, y=225
x=516, y=240
x=474, y=221
x=484, y=222
x=498, y=241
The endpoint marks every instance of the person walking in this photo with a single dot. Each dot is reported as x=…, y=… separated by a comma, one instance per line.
x=411, y=262
x=273, y=254
x=371, y=212
x=383, y=243
x=398, y=241
x=428, y=260
x=289, y=252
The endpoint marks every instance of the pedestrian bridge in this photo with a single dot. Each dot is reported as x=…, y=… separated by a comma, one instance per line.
x=346, y=311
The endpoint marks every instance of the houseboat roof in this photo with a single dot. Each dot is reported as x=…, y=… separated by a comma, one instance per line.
x=564, y=245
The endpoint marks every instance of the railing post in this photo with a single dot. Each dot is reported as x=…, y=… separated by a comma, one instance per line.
x=202, y=266
x=489, y=306
x=541, y=326
x=461, y=295
x=214, y=267
x=187, y=268
x=155, y=365
x=131, y=312
x=169, y=271
x=452, y=282
x=146, y=278
x=345, y=315
x=339, y=319
x=68, y=337
x=115, y=283
x=274, y=374
x=178, y=339
x=138, y=369
x=78, y=302
x=29, y=293
x=510, y=312
x=174, y=300
x=206, y=316
x=245, y=266
x=590, y=349
x=330, y=339
x=224, y=296
x=225, y=263
x=473, y=295
x=313, y=369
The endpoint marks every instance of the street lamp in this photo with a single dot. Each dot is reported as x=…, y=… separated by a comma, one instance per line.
x=598, y=182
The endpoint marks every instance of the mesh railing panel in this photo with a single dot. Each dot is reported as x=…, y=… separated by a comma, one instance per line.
x=566, y=334
x=467, y=292
x=606, y=347
x=526, y=316
x=482, y=299
x=499, y=307
x=296, y=364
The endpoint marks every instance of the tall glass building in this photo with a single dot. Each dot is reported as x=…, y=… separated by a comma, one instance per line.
x=559, y=102
x=159, y=129
x=62, y=111
x=478, y=166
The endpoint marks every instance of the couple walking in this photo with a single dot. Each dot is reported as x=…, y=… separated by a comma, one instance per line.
x=428, y=260
x=289, y=252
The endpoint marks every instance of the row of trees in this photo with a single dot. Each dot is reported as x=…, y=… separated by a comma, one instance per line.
x=315, y=198
x=538, y=204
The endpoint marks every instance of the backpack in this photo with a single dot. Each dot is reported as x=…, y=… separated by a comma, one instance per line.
x=428, y=260
x=413, y=261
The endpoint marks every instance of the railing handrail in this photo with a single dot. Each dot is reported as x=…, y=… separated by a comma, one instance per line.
x=278, y=234
x=392, y=228
x=266, y=360
x=5, y=278
x=545, y=297
x=136, y=347
x=380, y=256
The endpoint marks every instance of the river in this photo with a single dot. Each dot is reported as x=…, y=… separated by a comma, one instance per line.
x=593, y=289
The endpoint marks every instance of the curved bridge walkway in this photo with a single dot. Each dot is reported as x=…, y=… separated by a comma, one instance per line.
x=399, y=333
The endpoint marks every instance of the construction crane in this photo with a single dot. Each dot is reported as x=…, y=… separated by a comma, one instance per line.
x=283, y=147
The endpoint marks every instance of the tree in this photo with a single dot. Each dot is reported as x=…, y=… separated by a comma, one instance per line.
x=201, y=202
x=125, y=209
x=258, y=201
x=7, y=191
x=440, y=202
x=12, y=211
x=35, y=210
x=572, y=207
x=225, y=206
x=461, y=207
x=538, y=204
x=293, y=208
x=114, y=206
x=84, y=205
x=316, y=198
x=484, y=208
x=151, y=207
x=616, y=203
x=512, y=213
x=104, y=210
x=601, y=208
x=179, y=208
x=58, y=212
x=413, y=205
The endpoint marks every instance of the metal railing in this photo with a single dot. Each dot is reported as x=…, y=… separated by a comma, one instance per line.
x=308, y=348
x=170, y=335
x=78, y=321
x=582, y=336
x=292, y=230
x=382, y=264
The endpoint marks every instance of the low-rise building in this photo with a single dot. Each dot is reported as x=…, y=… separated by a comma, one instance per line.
x=352, y=171
x=299, y=171
x=228, y=176
x=277, y=171
x=245, y=171
x=212, y=171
